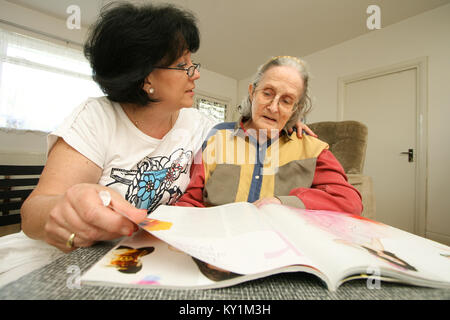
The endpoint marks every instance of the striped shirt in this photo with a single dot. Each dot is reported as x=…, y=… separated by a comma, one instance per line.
x=233, y=166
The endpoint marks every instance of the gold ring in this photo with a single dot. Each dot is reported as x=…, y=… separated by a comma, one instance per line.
x=69, y=243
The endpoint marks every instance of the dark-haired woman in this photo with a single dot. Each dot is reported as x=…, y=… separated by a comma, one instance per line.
x=137, y=142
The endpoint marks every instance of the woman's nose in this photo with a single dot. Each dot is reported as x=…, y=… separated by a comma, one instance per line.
x=273, y=106
x=196, y=75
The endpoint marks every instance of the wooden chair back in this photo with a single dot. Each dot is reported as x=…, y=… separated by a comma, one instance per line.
x=16, y=183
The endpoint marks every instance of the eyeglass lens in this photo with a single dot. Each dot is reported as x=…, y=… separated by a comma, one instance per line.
x=267, y=97
x=191, y=69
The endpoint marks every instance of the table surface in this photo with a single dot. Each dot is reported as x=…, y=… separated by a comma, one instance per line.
x=51, y=282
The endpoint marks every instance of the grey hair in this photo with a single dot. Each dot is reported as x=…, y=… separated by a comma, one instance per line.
x=302, y=107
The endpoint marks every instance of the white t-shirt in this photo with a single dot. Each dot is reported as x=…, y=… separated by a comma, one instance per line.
x=145, y=170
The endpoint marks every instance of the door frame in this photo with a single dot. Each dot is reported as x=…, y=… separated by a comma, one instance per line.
x=421, y=66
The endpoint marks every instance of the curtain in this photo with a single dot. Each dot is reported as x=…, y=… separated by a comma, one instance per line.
x=40, y=82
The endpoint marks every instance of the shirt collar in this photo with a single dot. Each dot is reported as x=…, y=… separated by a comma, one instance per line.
x=240, y=130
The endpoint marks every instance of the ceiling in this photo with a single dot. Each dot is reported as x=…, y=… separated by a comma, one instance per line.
x=239, y=35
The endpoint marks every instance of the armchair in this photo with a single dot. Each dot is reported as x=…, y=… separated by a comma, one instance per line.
x=348, y=143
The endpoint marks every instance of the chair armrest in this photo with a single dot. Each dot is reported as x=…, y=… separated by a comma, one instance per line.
x=364, y=185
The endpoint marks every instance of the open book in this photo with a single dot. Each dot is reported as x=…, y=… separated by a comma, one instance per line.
x=194, y=248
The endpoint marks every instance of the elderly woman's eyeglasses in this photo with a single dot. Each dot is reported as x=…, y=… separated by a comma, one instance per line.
x=190, y=71
x=267, y=96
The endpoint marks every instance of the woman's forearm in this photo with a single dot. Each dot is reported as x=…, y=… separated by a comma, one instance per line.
x=35, y=212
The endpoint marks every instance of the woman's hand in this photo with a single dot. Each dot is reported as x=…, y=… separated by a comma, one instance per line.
x=300, y=127
x=80, y=211
x=66, y=201
x=264, y=201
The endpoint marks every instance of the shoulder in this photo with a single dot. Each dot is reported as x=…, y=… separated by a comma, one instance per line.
x=88, y=129
x=99, y=106
x=88, y=113
x=309, y=146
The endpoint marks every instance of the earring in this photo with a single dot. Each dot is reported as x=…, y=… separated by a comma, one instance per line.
x=151, y=90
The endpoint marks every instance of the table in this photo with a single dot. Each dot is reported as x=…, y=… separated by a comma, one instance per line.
x=51, y=282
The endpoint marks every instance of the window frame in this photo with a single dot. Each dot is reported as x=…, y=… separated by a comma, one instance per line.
x=214, y=99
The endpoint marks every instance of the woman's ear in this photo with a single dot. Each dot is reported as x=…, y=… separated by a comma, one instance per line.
x=147, y=83
x=250, y=92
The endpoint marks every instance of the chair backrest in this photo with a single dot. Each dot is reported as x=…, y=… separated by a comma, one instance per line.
x=16, y=183
x=347, y=140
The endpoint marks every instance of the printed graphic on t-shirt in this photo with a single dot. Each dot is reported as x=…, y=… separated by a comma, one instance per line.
x=154, y=181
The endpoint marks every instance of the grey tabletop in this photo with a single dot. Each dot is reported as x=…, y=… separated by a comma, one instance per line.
x=55, y=281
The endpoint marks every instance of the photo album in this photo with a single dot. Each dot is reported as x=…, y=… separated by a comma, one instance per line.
x=201, y=248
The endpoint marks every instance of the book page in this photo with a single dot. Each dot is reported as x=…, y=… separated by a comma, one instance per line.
x=343, y=244
x=234, y=237
x=144, y=260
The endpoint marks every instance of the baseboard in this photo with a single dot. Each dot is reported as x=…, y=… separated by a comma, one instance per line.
x=438, y=237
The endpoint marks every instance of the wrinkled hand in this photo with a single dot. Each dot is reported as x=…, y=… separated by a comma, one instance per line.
x=263, y=201
x=300, y=127
x=81, y=211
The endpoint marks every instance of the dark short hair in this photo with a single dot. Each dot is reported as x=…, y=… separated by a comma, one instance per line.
x=127, y=40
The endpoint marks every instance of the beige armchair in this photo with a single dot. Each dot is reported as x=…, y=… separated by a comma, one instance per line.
x=348, y=143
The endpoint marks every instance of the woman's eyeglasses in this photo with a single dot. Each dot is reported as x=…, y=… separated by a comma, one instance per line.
x=267, y=96
x=190, y=71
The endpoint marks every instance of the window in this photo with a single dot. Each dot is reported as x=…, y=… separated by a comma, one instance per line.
x=213, y=108
x=40, y=82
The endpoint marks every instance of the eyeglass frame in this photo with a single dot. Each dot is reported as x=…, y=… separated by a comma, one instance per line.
x=292, y=109
x=195, y=66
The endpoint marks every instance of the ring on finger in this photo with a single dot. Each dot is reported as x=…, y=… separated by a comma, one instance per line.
x=70, y=241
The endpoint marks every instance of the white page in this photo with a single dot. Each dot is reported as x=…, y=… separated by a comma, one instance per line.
x=234, y=237
x=340, y=244
x=164, y=266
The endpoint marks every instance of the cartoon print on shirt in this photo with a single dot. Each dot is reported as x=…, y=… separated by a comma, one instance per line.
x=153, y=178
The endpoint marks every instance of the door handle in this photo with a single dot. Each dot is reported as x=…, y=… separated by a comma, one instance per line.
x=410, y=154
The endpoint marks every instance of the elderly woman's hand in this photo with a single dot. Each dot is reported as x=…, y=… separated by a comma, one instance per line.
x=81, y=212
x=264, y=201
x=300, y=127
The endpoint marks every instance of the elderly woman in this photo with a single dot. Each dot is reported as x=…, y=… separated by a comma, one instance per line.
x=257, y=160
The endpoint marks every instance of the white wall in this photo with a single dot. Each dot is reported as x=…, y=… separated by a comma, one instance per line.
x=22, y=147
x=35, y=20
x=427, y=34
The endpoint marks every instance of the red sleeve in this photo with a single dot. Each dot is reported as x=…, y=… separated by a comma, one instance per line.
x=330, y=189
x=193, y=196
